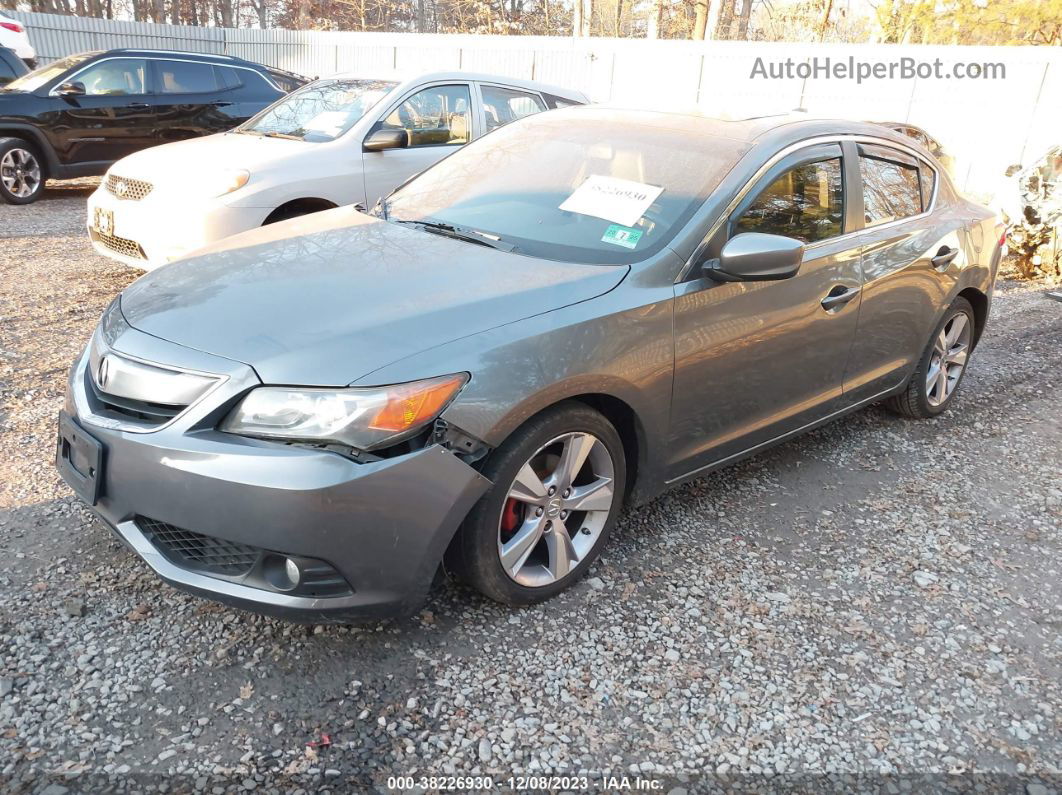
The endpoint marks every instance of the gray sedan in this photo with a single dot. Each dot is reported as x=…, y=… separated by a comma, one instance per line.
x=315, y=418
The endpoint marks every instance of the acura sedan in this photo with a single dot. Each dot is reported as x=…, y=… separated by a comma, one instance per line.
x=316, y=418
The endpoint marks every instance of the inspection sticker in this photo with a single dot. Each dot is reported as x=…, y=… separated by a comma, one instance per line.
x=617, y=200
x=622, y=236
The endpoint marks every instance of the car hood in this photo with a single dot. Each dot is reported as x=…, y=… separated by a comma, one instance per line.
x=191, y=159
x=328, y=298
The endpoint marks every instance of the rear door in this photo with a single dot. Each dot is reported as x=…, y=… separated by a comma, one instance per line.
x=757, y=360
x=113, y=118
x=912, y=251
x=438, y=120
x=190, y=100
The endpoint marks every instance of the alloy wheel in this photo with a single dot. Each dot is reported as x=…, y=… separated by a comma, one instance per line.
x=950, y=351
x=20, y=173
x=555, y=509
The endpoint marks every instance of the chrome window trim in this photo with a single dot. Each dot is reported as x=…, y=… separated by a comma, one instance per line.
x=84, y=411
x=70, y=78
x=796, y=147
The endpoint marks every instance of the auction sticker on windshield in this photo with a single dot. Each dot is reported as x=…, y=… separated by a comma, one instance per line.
x=617, y=200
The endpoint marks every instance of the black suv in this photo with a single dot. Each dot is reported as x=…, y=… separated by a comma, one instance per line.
x=78, y=115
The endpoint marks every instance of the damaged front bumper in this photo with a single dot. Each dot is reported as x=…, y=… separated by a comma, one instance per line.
x=220, y=515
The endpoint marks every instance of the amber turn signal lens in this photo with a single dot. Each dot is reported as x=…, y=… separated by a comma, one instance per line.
x=410, y=405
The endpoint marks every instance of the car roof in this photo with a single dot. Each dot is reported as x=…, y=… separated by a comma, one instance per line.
x=456, y=74
x=204, y=57
x=769, y=131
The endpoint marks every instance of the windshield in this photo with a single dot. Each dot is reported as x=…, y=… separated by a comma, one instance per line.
x=41, y=76
x=564, y=186
x=322, y=111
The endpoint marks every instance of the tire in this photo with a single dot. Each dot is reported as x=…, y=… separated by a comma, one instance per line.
x=928, y=393
x=570, y=539
x=22, y=174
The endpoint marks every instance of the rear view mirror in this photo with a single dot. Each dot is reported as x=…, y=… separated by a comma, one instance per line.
x=386, y=139
x=756, y=257
x=74, y=89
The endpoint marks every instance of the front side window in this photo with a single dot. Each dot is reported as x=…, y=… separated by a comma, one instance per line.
x=321, y=111
x=434, y=116
x=114, y=77
x=184, y=77
x=806, y=202
x=891, y=185
x=503, y=105
x=578, y=191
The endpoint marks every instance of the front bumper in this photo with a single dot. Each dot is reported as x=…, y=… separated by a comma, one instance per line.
x=384, y=525
x=155, y=230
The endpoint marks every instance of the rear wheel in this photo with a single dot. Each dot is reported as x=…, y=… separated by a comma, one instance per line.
x=942, y=366
x=21, y=172
x=558, y=488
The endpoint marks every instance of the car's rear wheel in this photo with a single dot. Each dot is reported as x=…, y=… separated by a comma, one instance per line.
x=933, y=386
x=21, y=173
x=558, y=488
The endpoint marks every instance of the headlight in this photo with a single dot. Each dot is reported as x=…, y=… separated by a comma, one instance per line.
x=364, y=418
x=225, y=181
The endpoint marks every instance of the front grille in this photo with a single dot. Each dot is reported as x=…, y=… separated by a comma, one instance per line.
x=129, y=189
x=120, y=245
x=199, y=552
x=129, y=408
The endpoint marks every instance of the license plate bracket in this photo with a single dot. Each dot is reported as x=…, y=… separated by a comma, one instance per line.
x=103, y=221
x=79, y=459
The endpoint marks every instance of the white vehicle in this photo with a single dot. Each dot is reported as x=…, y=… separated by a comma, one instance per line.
x=13, y=35
x=337, y=141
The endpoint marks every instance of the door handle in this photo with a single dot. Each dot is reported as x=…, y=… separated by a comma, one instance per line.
x=838, y=296
x=220, y=104
x=944, y=258
x=138, y=105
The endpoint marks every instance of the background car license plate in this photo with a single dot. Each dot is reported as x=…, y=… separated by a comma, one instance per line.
x=103, y=221
x=79, y=459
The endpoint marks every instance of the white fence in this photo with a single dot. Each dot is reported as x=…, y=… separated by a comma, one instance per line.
x=987, y=124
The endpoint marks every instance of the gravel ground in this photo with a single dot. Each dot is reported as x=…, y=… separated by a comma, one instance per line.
x=875, y=603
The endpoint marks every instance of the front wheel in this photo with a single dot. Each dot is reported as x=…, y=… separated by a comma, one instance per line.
x=21, y=173
x=942, y=366
x=558, y=488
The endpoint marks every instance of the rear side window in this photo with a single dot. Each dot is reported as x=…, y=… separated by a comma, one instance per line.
x=892, y=185
x=227, y=78
x=286, y=84
x=806, y=202
x=184, y=77
x=554, y=102
x=503, y=105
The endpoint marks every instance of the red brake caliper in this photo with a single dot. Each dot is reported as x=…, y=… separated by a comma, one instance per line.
x=510, y=518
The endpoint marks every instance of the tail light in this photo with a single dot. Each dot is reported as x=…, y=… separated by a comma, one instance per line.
x=14, y=27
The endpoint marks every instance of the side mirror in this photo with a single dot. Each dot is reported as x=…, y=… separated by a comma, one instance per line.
x=386, y=139
x=756, y=257
x=74, y=89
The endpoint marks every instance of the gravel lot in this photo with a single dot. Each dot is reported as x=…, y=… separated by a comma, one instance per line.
x=879, y=600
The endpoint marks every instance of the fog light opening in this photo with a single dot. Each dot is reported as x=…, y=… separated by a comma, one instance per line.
x=283, y=573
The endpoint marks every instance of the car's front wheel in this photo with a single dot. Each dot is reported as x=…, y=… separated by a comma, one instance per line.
x=942, y=366
x=558, y=488
x=21, y=173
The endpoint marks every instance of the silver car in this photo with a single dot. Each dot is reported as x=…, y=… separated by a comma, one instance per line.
x=576, y=312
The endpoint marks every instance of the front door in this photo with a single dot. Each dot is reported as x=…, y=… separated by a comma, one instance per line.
x=113, y=118
x=756, y=360
x=438, y=120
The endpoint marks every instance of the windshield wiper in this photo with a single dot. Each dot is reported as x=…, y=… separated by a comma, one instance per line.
x=461, y=233
x=289, y=136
